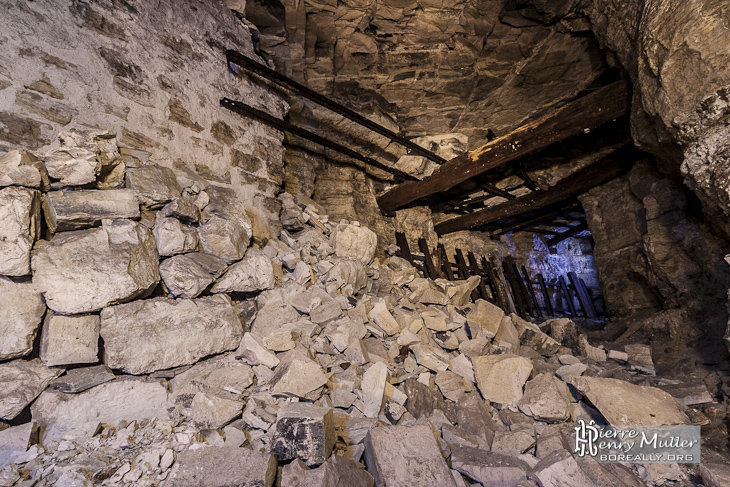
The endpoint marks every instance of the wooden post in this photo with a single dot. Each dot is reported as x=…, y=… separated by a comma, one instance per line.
x=478, y=272
x=516, y=289
x=405, y=251
x=446, y=263
x=591, y=303
x=546, y=296
x=567, y=296
x=428, y=263
x=583, y=297
x=531, y=291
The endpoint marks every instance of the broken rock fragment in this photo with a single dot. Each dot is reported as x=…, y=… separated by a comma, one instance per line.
x=15, y=441
x=76, y=210
x=155, y=185
x=225, y=229
x=253, y=273
x=173, y=237
x=184, y=277
x=21, y=381
x=222, y=467
x=340, y=471
x=304, y=431
x=546, y=399
x=297, y=377
x=373, y=387
x=21, y=311
x=355, y=241
x=21, y=168
x=86, y=270
x=484, y=319
x=19, y=228
x=144, y=336
x=406, y=456
x=500, y=378
x=488, y=468
x=254, y=353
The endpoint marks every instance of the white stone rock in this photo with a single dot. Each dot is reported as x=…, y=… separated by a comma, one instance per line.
x=19, y=228
x=431, y=357
x=155, y=185
x=342, y=333
x=212, y=411
x=173, y=237
x=356, y=242
x=226, y=229
x=69, y=340
x=254, y=353
x=297, y=377
x=484, y=319
x=222, y=467
x=21, y=168
x=546, y=399
x=76, y=210
x=462, y=365
x=21, y=311
x=21, y=381
x=254, y=273
x=14, y=442
x=86, y=270
x=71, y=161
x=74, y=416
x=184, y=277
x=560, y=469
x=373, y=387
x=500, y=378
x=382, y=317
x=144, y=336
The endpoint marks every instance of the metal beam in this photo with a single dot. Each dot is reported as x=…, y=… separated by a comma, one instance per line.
x=592, y=110
x=301, y=90
x=245, y=110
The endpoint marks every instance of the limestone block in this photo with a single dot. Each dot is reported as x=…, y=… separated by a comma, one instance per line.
x=297, y=377
x=484, y=319
x=173, y=237
x=19, y=228
x=406, y=456
x=75, y=210
x=431, y=357
x=82, y=378
x=342, y=333
x=715, y=474
x=21, y=381
x=15, y=441
x=86, y=270
x=222, y=467
x=254, y=273
x=500, y=378
x=212, y=412
x=78, y=415
x=382, y=317
x=254, y=353
x=356, y=242
x=473, y=414
x=488, y=468
x=155, y=185
x=372, y=389
x=70, y=339
x=340, y=471
x=304, y=431
x=625, y=404
x=72, y=162
x=546, y=399
x=560, y=469
x=21, y=168
x=144, y=336
x=225, y=230
x=184, y=277
x=21, y=312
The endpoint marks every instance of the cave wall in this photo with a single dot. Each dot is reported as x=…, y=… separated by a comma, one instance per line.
x=151, y=72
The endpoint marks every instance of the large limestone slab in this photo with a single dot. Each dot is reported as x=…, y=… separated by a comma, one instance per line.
x=15, y=441
x=373, y=388
x=86, y=270
x=406, y=456
x=484, y=319
x=225, y=229
x=500, y=378
x=487, y=468
x=173, y=237
x=78, y=415
x=546, y=399
x=20, y=382
x=155, y=185
x=161, y=333
x=19, y=228
x=625, y=404
x=21, y=312
x=297, y=378
x=356, y=242
x=339, y=472
x=222, y=467
x=254, y=273
x=75, y=210
x=71, y=161
x=21, y=168
x=70, y=340
x=715, y=474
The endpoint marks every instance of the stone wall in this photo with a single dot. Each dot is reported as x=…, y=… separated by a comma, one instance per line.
x=152, y=73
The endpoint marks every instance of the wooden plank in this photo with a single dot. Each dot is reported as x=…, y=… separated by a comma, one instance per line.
x=591, y=303
x=523, y=288
x=516, y=289
x=446, y=263
x=598, y=173
x=571, y=232
x=567, y=297
x=464, y=268
x=542, y=217
x=430, y=268
x=546, y=296
x=405, y=251
x=498, y=285
x=531, y=291
x=592, y=110
x=478, y=272
x=583, y=298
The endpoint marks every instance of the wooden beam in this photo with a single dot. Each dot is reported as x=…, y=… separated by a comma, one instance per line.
x=598, y=173
x=592, y=110
x=571, y=232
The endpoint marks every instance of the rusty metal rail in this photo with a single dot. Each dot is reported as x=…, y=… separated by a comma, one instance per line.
x=246, y=110
x=301, y=90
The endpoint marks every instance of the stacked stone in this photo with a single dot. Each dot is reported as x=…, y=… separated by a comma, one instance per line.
x=229, y=359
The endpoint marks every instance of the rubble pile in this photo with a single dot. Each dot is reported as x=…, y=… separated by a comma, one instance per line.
x=173, y=352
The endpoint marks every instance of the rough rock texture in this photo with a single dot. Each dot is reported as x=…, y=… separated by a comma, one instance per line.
x=225, y=230
x=223, y=467
x=184, y=277
x=624, y=404
x=715, y=474
x=305, y=432
x=297, y=377
x=21, y=311
x=254, y=273
x=501, y=377
x=401, y=456
x=144, y=336
x=70, y=340
x=21, y=168
x=489, y=468
x=338, y=471
x=356, y=242
x=78, y=415
x=74, y=210
x=14, y=441
x=546, y=399
x=86, y=270
x=155, y=186
x=21, y=382
x=20, y=227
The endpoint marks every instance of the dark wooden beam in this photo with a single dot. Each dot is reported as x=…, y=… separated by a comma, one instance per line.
x=592, y=110
x=598, y=173
x=571, y=232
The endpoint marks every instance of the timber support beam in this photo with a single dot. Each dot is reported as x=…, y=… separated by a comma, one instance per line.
x=592, y=110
